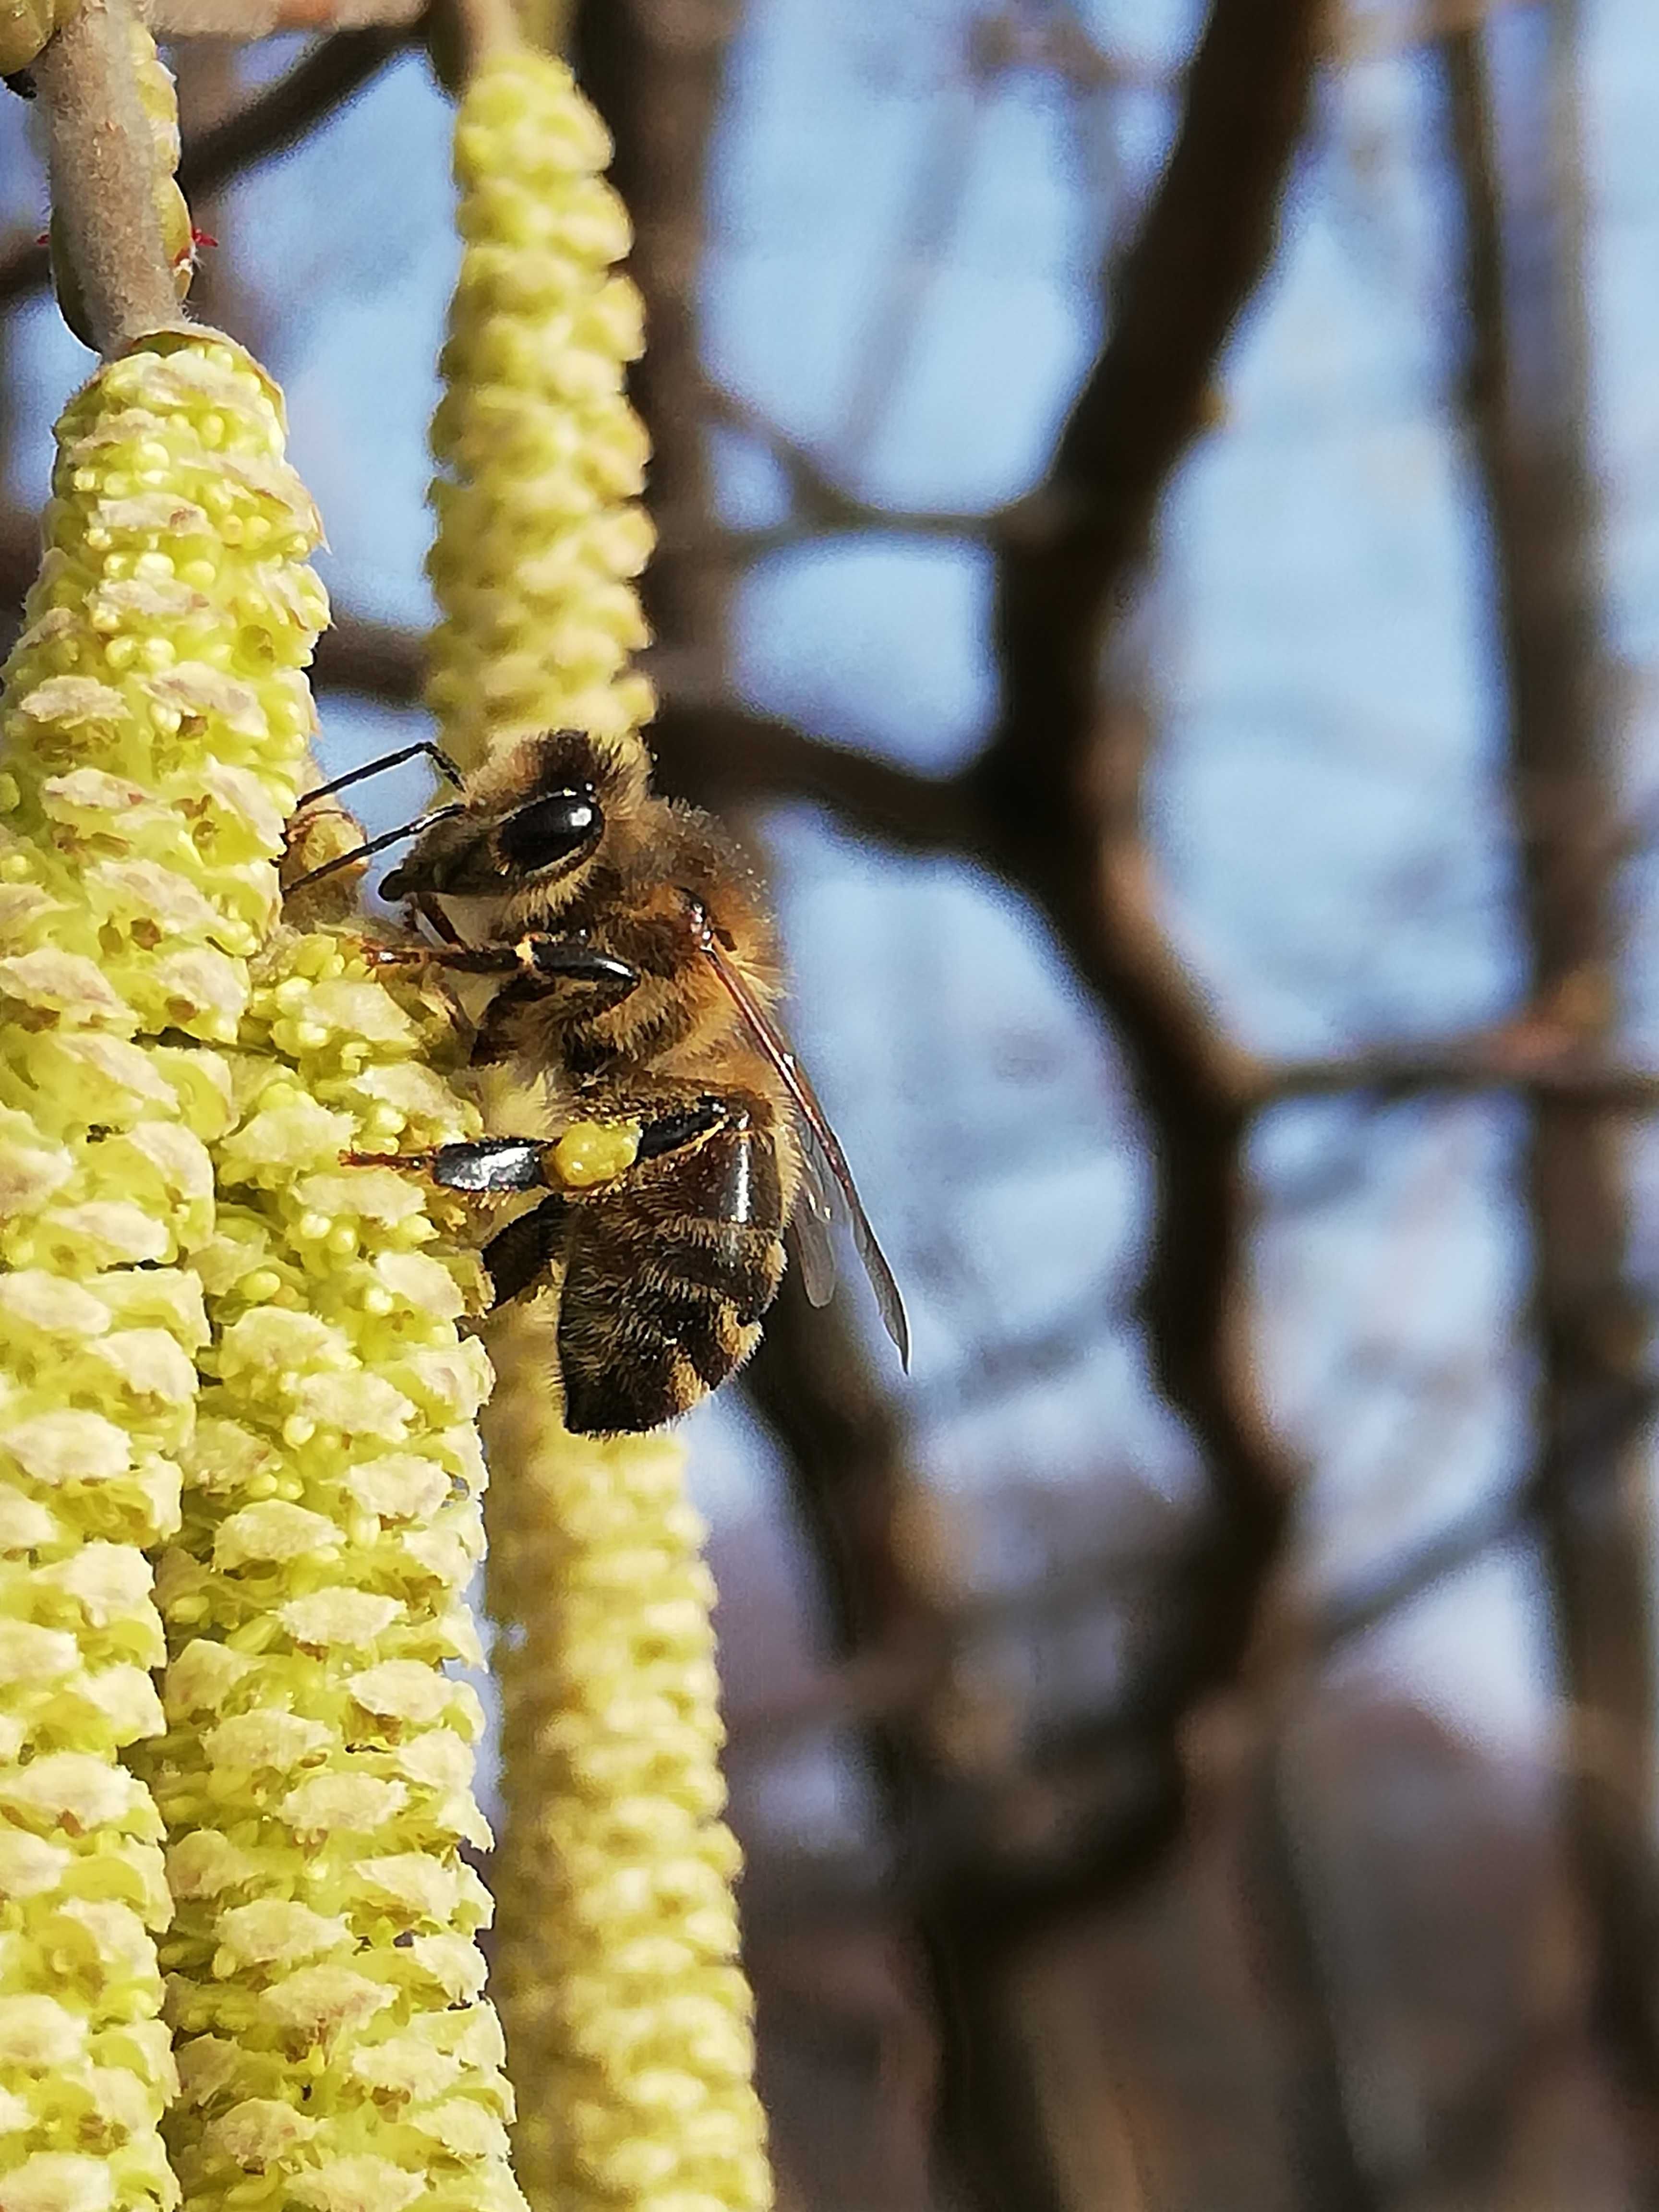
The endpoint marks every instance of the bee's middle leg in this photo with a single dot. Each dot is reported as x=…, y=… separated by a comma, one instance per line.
x=520, y=1254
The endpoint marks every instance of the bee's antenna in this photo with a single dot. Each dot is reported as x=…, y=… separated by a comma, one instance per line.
x=426, y=749
x=372, y=845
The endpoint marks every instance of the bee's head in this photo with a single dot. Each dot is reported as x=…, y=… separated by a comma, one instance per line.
x=533, y=823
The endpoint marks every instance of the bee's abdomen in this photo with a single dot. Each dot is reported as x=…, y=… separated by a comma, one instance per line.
x=666, y=1283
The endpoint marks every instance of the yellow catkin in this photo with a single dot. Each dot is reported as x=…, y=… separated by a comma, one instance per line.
x=323, y=1979
x=541, y=458
x=616, y=1972
x=153, y=718
x=627, y=2014
x=324, y=1984
x=215, y=1332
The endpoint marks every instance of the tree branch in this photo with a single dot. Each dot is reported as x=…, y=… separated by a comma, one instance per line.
x=1059, y=788
x=1526, y=400
x=862, y=1504
x=1055, y=805
x=1075, y=544
x=719, y=755
x=378, y=661
x=1329, y=2174
x=1526, y=1058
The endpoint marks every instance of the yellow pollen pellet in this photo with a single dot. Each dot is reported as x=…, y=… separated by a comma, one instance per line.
x=591, y=1152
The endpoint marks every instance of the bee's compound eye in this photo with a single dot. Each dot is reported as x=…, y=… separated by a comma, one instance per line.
x=556, y=828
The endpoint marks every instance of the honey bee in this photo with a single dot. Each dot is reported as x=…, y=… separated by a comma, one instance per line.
x=637, y=976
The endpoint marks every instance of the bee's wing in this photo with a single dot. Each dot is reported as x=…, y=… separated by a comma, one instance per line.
x=828, y=1173
x=811, y=1224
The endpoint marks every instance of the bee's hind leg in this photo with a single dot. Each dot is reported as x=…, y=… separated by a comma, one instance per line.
x=518, y=1255
x=482, y=1164
x=526, y=1249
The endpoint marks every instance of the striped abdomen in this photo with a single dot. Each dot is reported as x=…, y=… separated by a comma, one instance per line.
x=666, y=1277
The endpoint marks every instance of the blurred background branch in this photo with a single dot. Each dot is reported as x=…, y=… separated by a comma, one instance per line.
x=1527, y=392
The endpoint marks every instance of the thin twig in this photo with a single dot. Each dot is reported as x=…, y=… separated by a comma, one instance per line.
x=102, y=159
x=1533, y=1065
x=820, y=500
